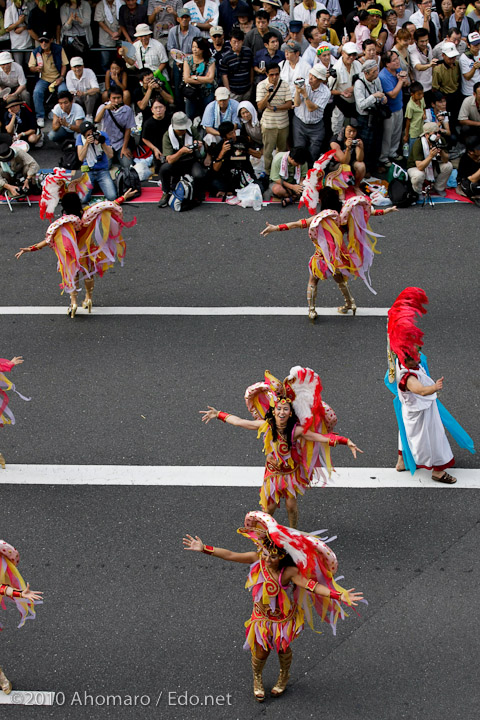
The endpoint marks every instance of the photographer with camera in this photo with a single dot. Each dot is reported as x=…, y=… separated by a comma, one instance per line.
x=149, y=90
x=183, y=153
x=341, y=86
x=371, y=104
x=18, y=171
x=428, y=161
x=231, y=166
x=117, y=121
x=438, y=113
x=95, y=152
x=349, y=151
x=310, y=100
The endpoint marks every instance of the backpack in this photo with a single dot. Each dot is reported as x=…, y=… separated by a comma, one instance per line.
x=69, y=159
x=401, y=193
x=182, y=197
x=127, y=179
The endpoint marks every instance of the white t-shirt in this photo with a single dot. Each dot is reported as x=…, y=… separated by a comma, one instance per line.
x=150, y=57
x=289, y=74
x=417, y=19
x=21, y=40
x=307, y=16
x=417, y=58
x=466, y=65
x=76, y=113
x=15, y=78
x=88, y=81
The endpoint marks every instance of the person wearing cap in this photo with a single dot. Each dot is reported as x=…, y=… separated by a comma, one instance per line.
x=296, y=34
x=149, y=53
x=254, y=38
x=393, y=81
x=274, y=100
x=452, y=36
x=13, y=84
x=278, y=18
x=219, y=47
x=341, y=86
x=106, y=16
x=203, y=15
x=470, y=64
x=117, y=121
x=130, y=15
x=236, y=67
x=228, y=12
x=162, y=17
x=94, y=154
x=183, y=153
x=67, y=117
x=464, y=25
x=21, y=124
x=428, y=162
x=270, y=53
x=369, y=95
x=83, y=84
x=222, y=109
x=44, y=20
x=310, y=101
x=469, y=115
x=15, y=21
x=50, y=63
x=18, y=170
x=179, y=44
x=76, y=18
x=306, y=12
x=293, y=67
x=446, y=79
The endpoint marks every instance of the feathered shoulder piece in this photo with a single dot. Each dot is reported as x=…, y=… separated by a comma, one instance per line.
x=404, y=335
x=314, y=182
x=261, y=396
x=352, y=202
x=304, y=386
x=56, y=185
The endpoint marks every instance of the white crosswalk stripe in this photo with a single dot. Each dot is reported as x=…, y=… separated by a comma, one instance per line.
x=167, y=310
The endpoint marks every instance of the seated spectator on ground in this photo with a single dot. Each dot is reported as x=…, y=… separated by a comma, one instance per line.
x=349, y=150
x=82, y=83
x=274, y=100
x=20, y=122
x=153, y=130
x=203, y=15
x=15, y=21
x=116, y=79
x=236, y=68
x=117, y=121
x=470, y=64
x=222, y=109
x=293, y=67
x=250, y=125
x=67, y=118
x=183, y=153
x=94, y=152
x=270, y=53
x=310, y=101
x=76, y=17
x=150, y=88
x=369, y=97
x=149, y=53
x=469, y=115
x=129, y=16
x=428, y=161
x=106, y=15
x=18, y=171
x=231, y=166
x=468, y=175
x=254, y=38
x=162, y=16
x=49, y=62
x=288, y=171
x=296, y=34
x=44, y=20
x=13, y=84
x=415, y=114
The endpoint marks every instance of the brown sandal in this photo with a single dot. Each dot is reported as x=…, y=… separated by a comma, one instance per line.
x=445, y=478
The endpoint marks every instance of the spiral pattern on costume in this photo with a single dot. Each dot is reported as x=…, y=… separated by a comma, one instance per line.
x=283, y=447
x=271, y=586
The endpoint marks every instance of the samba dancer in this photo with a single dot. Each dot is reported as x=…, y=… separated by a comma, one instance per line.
x=291, y=578
x=6, y=415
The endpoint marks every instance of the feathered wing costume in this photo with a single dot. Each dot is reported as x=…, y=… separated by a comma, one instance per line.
x=421, y=419
x=291, y=465
x=279, y=614
x=6, y=415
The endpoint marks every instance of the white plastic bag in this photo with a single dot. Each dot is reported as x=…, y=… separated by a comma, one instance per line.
x=143, y=171
x=250, y=196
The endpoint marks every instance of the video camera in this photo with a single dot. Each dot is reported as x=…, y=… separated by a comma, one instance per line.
x=438, y=141
x=299, y=82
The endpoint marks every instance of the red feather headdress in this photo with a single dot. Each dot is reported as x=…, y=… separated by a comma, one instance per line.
x=404, y=335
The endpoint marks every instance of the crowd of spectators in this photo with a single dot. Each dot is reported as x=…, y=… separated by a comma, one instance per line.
x=235, y=91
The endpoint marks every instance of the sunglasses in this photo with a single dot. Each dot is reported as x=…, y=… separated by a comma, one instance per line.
x=44, y=41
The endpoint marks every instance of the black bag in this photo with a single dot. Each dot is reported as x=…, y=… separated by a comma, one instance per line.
x=69, y=159
x=127, y=179
x=191, y=93
x=401, y=193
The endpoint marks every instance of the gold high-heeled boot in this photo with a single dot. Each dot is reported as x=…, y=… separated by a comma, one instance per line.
x=2, y=462
x=5, y=683
x=292, y=517
x=285, y=660
x=349, y=300
x=73, y=304
x=311, y=301
x=257, y=666
x=87, y=303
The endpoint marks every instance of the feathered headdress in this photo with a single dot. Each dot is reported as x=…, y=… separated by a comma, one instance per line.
x=404, y=336
x=56, y=185
x=317, y=178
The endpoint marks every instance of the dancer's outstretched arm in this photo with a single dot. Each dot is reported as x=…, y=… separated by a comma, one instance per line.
x=330, y=439
x=32, y=248
x=212, y=414
x=195, y=544
x=302, y=223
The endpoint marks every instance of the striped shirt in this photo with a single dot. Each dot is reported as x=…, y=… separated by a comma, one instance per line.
x=270, y=118
x=319, y=97
x=237, y=68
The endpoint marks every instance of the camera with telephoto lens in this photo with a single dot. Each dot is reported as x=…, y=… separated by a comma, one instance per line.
x=438, y=141
x=332, y=72
x=299, y=82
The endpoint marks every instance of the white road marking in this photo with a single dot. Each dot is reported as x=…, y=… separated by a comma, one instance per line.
x=217, y=476
x=207, y=311
x=27, y=697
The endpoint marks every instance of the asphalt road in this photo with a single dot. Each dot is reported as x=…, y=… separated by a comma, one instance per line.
x=127, y=610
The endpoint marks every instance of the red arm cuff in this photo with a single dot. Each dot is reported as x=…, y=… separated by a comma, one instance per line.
x=223, y=416
x=335, y=595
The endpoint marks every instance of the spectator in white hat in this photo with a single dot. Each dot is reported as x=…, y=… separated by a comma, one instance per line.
x=149, y=53
x=222, y=109
x=428, y=161
x=83, y=84
x=310, y=100
x=446, y=79
x=470, y=64
x=183, y=153
x=13, y=84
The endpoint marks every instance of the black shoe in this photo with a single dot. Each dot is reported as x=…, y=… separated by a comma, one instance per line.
x=164, y=201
